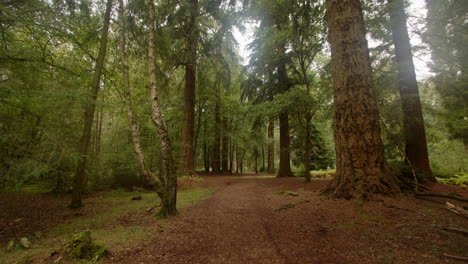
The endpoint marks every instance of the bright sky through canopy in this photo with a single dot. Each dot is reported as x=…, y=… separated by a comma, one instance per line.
x=416, y=11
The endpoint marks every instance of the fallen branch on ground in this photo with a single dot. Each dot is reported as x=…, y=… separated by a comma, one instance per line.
x=456, y=209
x=456, y=257
x=453, y=197
x=152, y=207
x=458, y=230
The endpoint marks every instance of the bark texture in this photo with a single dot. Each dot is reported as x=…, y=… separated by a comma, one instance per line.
x=413, y=122
x=361, y=169
x=80, y=176
x=166, y=184
x=187, y=162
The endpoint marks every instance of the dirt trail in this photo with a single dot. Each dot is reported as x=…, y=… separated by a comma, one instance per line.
x=242, y=223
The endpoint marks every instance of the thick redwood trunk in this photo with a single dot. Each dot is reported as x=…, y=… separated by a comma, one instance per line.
x=80, y=176
x=271, y=146
x=284, y=166
x=413, y=122
x=361, y=169
x=186, y=165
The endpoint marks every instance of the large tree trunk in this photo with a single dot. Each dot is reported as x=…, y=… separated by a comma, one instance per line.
x=80, y=176
x=271, y=146
x=166, y=184
x=284, y=166
x=225, y=147
x=361, y=169
x=186, y=166
x=413, y=122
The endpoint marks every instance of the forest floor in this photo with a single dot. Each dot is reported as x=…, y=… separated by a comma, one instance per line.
x=242, y=219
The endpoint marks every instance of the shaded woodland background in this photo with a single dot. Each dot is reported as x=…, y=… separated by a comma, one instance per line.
x=49, y=51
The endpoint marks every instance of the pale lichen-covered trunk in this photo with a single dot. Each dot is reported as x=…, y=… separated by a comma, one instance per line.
x=127, y=95
x=361, y=169
x=166, y=183
x=413, y=122
x=80, y=176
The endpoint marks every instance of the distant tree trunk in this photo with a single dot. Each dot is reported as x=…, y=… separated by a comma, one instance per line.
x=271, y=146
x=413, y=122
x=307, y=147
x=80, y=176
x=255, y=160
x=361, y=169
x=186, y=166
x=225, y=147
x=234, y=159
x=262, y=169
x=166, y=184
x=206, y=155
x=216, y=165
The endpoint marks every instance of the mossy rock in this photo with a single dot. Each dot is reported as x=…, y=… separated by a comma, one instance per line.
x=81, y=246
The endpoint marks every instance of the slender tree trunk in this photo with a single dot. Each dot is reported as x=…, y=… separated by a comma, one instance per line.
x=262, y=169
x=80, y=176
x=206, y=155
x=361, y=169
x=216, y=165
x=271, y=146
x=143, y=169
x=225, y=147
x=307, y=146
x=186, y=166
x=413, y=122
x=166, y=184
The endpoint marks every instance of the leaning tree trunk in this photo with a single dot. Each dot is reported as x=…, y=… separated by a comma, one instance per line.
x=80, y=176
x=271, y=146
x=127, y=94
x=166, y=186
x=186, y=166
x=361, y=169
x=413, y=122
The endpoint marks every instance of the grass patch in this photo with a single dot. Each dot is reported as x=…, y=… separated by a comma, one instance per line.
x=104, y=224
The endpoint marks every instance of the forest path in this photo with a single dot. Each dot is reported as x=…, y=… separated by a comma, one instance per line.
x=237, y=224
x=247, y=221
